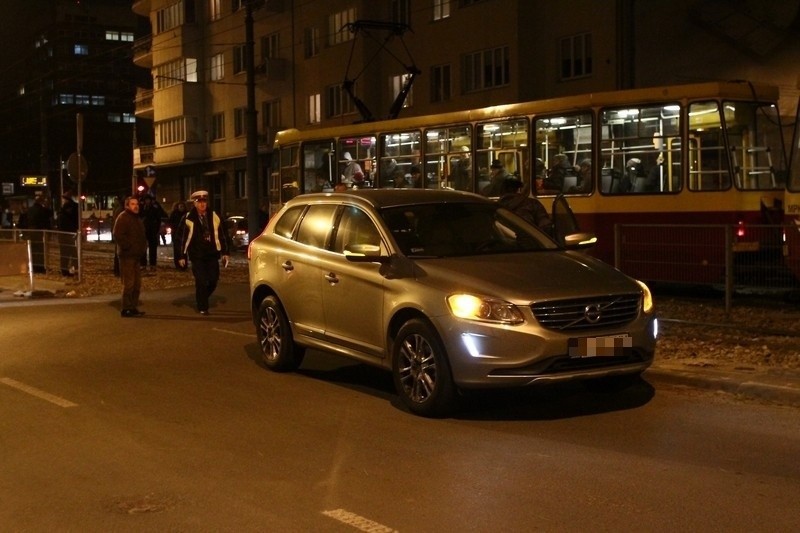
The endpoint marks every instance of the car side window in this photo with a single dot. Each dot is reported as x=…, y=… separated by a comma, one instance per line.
x=316, y=225
x=285, y=225
x=355, y=228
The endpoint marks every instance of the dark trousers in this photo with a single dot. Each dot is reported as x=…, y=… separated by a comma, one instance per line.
x=206, y=276
x=68, y=247
x=131, y=276
x=152, y=250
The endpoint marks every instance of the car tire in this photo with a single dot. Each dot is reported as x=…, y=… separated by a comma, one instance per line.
x=421, y=371
x=278, y=350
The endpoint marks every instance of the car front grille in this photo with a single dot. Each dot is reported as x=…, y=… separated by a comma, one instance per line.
x=582, y=314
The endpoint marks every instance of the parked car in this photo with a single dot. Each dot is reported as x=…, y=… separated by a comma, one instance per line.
x=448, y=291
x=238, y=235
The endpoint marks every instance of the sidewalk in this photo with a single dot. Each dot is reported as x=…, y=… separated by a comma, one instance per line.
x=775, y=385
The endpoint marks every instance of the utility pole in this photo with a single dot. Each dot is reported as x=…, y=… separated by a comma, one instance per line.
x=253, y=189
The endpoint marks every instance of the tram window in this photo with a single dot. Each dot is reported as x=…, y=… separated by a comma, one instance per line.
x=356, y=158
x=640, y=149
x=447, y=158
x=285, y=178
x=317, y=164
x=755, y=141
x=399, y=152
x=709, y=169
x=506, y=141
x=563, y=153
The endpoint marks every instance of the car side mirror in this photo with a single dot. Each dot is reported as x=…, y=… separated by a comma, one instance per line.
x=365, y=253
x=577, y=241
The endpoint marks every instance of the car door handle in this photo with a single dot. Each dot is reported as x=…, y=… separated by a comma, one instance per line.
x=331, y=278
x=287, y=266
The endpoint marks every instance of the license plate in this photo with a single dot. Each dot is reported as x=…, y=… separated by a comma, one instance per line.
x=599, y=346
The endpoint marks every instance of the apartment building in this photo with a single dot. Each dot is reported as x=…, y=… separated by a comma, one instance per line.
x=463, y=53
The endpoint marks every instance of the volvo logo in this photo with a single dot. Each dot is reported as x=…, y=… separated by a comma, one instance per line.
x=592, y=313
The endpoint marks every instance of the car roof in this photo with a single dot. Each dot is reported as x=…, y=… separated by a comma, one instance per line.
x=382, y=198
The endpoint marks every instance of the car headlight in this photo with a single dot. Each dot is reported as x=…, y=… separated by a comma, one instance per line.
x=484, y=309
x=647, y=298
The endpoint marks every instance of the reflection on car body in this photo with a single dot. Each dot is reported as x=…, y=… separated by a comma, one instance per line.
x=236, y=227
x=448, y=290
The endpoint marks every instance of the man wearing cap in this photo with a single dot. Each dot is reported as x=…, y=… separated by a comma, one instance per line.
x=203, y=241
x=499, y=176
x=131, y=246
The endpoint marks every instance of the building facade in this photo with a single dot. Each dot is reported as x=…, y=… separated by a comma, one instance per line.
x=463, y=54
x=62, y=59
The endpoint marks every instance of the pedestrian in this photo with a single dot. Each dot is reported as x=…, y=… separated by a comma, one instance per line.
x=40, y=217
x=117, y=207
x=131, y=244
x=69, y=228
x=152, y=214
x=176, y=225
x=203, y=242
x=498, y=176
x=523, y=205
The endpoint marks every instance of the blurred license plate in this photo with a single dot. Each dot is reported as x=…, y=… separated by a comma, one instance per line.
x=599, y=346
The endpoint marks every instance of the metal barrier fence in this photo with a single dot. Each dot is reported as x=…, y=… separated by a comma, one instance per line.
x=51, y=251
x=757, y=258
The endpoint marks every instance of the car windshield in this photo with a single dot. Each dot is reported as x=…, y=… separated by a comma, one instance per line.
x=461, y=229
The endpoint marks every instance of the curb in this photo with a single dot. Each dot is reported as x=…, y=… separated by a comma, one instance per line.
x=784, y=391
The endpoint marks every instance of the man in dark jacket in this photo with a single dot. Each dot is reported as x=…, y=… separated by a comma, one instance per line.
x=40, y=217
x=525, y=206
x=131, y=244
x=153, y=215
x=203, y=241
x=67, y=240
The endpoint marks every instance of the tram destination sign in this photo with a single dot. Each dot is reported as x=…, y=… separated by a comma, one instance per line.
x=33, y=180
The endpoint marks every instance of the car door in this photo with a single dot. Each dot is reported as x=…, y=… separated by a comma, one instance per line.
x=353, y=293
x=302, y=283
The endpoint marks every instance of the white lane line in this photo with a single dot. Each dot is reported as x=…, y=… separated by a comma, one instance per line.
x=33, y=391
x=251, y=335
x=358, y=522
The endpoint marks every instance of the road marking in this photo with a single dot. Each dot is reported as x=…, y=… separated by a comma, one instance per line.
x=233, y=332
x=33, y=391
x=358, y=522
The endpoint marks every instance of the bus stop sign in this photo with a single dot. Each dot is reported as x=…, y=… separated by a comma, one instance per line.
x=73, y=164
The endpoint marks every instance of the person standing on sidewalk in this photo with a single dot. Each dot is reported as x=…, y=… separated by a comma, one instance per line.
x=176, y=223
x=131, y=244
x=152, y=214
x=68, y=225
x=203, y=242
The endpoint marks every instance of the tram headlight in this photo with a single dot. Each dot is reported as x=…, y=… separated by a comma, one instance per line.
x=647, y=298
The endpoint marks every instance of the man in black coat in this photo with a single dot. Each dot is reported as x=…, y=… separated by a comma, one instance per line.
x=69, y=225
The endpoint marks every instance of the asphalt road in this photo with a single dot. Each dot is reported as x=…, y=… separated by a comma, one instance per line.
x=170, y=423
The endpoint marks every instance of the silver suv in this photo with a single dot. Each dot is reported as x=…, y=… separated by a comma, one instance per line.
x=448, y=290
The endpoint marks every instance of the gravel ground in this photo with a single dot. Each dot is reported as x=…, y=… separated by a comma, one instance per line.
x=758, y=334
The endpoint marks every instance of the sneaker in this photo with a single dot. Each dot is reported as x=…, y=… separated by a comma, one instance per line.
x=204, y=312
x=131, y=313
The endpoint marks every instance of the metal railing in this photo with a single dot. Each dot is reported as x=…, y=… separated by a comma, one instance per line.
x=752, y=259
x=51, y=251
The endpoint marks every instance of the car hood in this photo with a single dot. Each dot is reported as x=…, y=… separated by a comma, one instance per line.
x=525, y=277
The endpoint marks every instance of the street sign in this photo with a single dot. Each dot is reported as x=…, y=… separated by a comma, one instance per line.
x=72, y=167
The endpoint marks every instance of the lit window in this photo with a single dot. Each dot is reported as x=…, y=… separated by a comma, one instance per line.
x=314, y=112
x=338, y=32
x=218, y=67
x=441, y=9
x=81, y=50
x=397, y=85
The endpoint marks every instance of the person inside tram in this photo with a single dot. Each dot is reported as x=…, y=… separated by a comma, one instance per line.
x=633, y=171
x=321, y=184
x=352, y=174
x=584, y=176
x=498, y=175
x=554, y=181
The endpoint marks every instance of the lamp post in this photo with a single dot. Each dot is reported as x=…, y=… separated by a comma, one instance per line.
x=253, y=192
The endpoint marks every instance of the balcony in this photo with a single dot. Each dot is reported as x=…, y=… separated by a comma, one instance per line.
x=141, y=7
x=143, y=156
x=144, y=103
x=143, y=52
